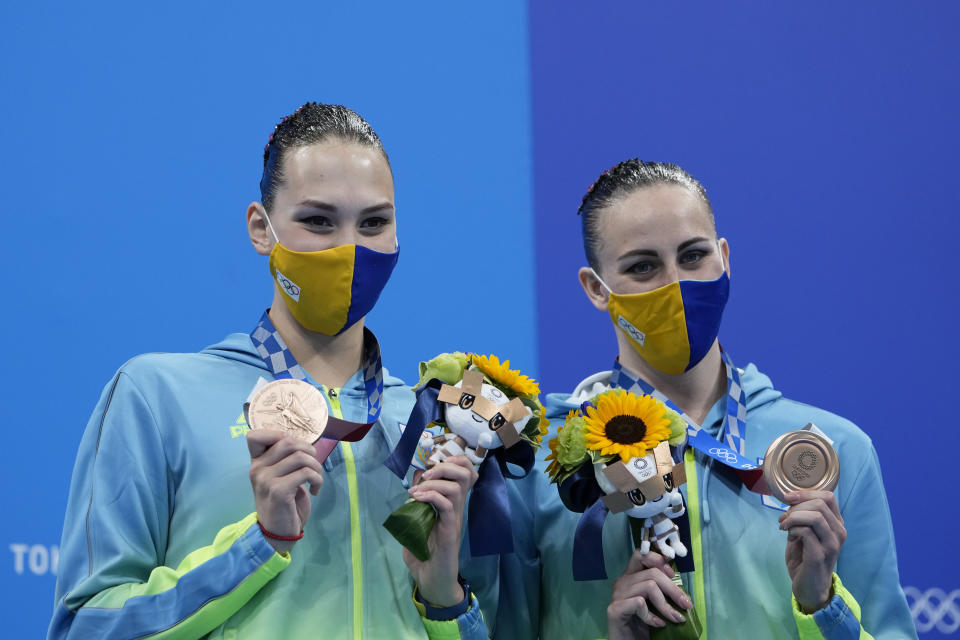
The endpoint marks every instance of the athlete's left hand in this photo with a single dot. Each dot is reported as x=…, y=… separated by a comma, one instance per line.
x=816, y=535
x=445, y=486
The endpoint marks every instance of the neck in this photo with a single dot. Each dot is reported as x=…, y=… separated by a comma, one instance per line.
x=330, y=360
x=694, y=391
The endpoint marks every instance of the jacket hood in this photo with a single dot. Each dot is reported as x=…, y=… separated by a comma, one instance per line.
x=759, y=389
x=239, y=347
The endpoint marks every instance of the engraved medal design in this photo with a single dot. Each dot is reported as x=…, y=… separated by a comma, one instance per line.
x=293, y=406
x=800, y=460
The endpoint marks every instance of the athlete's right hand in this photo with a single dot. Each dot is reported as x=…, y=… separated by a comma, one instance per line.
x=645, y=582
x=280, y=469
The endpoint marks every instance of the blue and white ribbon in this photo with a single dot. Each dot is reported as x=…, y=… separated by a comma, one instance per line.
x=275, y=354
x=730, y=452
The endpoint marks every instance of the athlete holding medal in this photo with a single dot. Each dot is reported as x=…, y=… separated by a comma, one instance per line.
x=163, y=535
x=823, y=565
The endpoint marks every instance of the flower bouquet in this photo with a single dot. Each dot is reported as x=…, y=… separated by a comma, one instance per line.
x=613, y=455
x=475, y=406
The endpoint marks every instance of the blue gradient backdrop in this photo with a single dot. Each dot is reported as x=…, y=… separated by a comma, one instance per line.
x=133, y=137
x=826, y=135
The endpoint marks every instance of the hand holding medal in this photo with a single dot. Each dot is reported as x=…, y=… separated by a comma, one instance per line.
x=291, y=434
x=286, y=418
x=801, y=468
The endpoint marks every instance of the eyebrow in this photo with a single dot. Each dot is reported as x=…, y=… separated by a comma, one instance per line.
x=326, y=206
x=684, y=245
x=650, y=252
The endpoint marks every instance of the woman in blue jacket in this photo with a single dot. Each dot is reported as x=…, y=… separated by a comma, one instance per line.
x=821, y=566
x=163, y=535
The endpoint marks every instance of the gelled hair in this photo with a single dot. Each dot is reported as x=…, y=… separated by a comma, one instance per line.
x=622, y=180
x=312, y=123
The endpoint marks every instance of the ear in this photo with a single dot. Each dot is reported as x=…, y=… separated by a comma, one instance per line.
x=596, y=292
x=725, y=254
x=260, y=236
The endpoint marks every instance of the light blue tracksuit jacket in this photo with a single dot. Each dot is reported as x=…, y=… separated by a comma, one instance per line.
x=161, y=540
x=746, y=590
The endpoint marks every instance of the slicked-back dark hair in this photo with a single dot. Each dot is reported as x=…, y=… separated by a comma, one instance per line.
x=312, y=123
x=622, y=180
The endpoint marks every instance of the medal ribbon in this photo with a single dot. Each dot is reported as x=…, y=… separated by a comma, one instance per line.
x=733, y=432
x=581, y=493
x=281, y=363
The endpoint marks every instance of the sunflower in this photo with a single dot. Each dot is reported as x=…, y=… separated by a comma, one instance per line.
x=503, y=375
x=544, y=425
x=626, y=424
x=553, y=465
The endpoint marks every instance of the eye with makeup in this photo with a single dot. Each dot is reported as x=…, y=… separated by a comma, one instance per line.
x=692, y=258
x=373, y=225
x=642, y=268
x=317, y=223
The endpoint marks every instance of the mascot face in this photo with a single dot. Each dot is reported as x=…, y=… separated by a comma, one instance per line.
x=643, y=469
x=475, y=429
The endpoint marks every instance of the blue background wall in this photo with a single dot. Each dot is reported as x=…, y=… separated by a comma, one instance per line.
x=133, y=137
x=826, y=135
x=823, y=133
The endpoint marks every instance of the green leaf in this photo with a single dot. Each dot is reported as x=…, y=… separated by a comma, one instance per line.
x=690, y=629
x=448, y=367
x=411, y=525
x=678, y=427
x=563, y=474
x=597, y=457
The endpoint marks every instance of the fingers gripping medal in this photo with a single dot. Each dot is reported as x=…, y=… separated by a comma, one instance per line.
x=802, y=459
x=474, y=406
x=292, y=406
x=299, y=408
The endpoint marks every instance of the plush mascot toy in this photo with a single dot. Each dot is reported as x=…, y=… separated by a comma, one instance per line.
x=475, y=406
x=614, y=455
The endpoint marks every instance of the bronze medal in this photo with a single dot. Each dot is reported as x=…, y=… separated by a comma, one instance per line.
x=293, y=406
x=800, y=460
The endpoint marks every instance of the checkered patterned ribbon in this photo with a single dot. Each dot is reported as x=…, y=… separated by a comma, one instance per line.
x=282, y=364
x=734, y=424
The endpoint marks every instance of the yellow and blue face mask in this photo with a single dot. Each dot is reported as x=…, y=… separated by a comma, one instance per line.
x=674, y=326
x=329, y=291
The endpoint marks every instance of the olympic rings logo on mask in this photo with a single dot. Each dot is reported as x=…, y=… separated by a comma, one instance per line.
x=725, y=454
x=934, y=609
x=291, y=288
